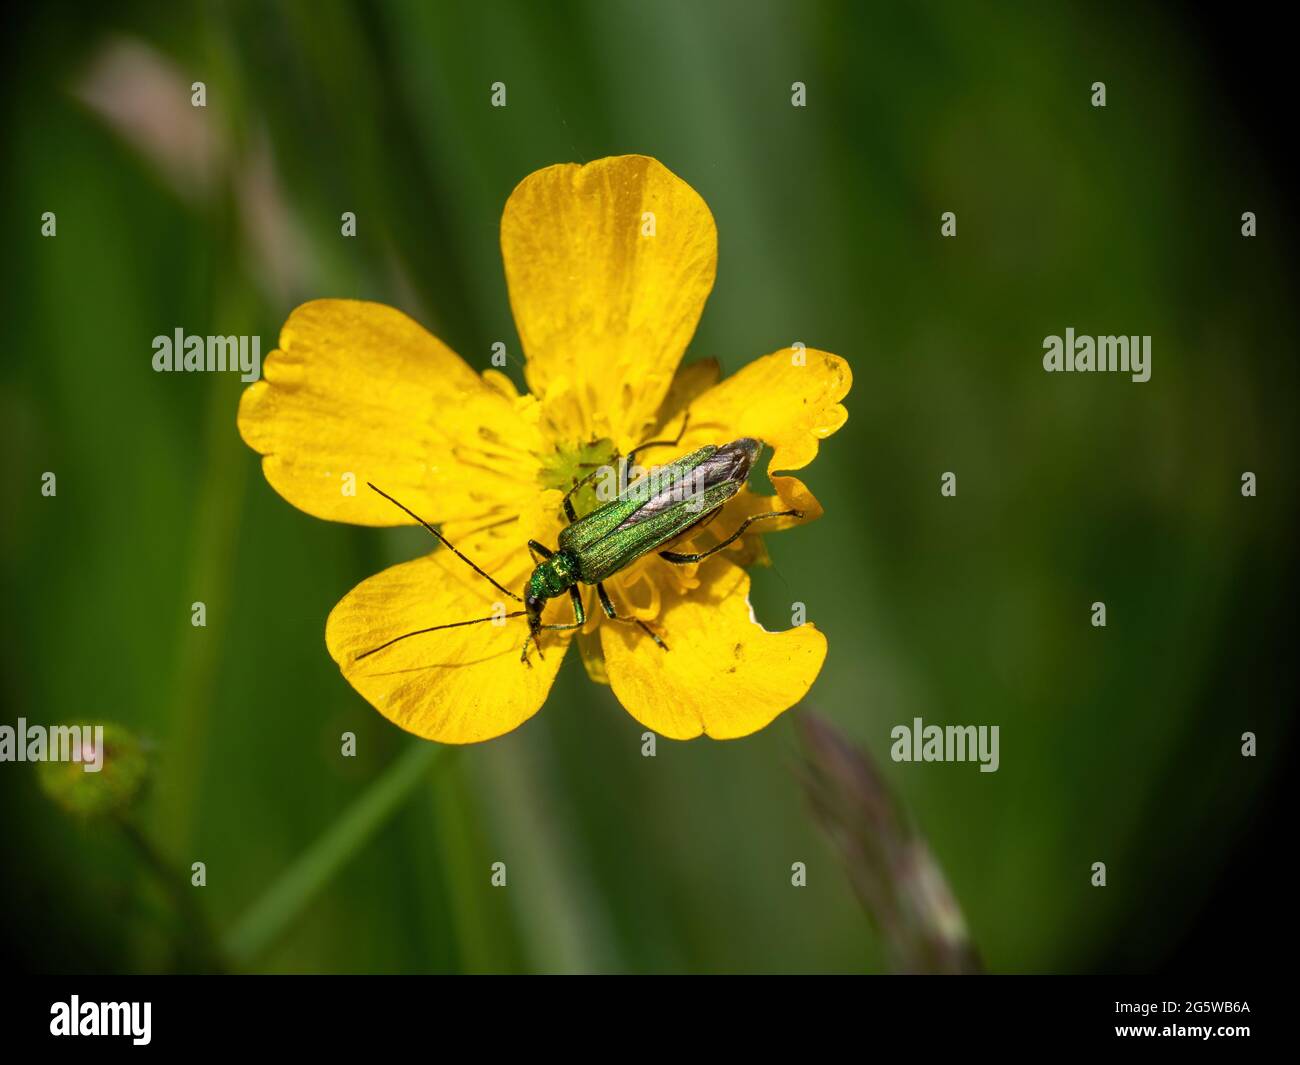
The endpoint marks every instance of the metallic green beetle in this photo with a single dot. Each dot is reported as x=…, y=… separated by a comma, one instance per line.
x=664, y=505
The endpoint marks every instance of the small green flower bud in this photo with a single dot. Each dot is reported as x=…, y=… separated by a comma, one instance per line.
x=110, y=789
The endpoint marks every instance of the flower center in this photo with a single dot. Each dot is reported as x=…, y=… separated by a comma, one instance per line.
x=577, y=463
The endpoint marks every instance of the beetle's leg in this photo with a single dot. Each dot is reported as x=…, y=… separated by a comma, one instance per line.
x=579, y=614
x=613, y=616
x=661, y=443
x=568, y=496
x=681, y=560
x=523, y=655
x=649, y=443
x=535, y=549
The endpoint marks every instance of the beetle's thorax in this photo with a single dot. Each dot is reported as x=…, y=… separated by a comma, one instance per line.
x=553, y=576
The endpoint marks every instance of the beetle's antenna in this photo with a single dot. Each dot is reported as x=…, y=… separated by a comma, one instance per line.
x=447, y=544
x=435, y=628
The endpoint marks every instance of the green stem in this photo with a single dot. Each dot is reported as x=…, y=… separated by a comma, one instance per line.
x=300, y=883
x=194, y=921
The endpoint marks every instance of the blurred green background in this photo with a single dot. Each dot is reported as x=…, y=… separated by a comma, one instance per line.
x=1119, y=745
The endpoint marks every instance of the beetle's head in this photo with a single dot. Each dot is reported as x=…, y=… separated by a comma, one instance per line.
x=553, y=576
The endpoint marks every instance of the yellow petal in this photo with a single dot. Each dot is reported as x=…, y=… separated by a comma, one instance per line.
x=791, y=494
x=789, y=399
x=593, y=657
x=604, y=310
x=688, y=384
x=723, y=675
x=458, y=685
x=359, y=392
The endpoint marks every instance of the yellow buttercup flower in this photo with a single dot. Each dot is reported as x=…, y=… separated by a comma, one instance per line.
x=608, y=267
